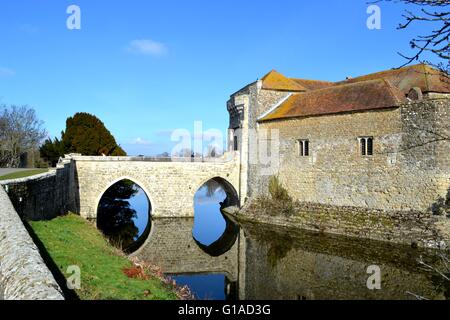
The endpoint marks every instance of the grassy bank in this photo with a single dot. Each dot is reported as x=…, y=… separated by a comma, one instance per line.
x=22, y=174
x=105, y=272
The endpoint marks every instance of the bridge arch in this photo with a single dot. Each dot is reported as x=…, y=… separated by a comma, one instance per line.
x=119, y=203
x=117, y=180
x=230, y=190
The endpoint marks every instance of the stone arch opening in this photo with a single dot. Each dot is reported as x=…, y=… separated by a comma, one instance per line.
x=124, y=214
x=214, y=232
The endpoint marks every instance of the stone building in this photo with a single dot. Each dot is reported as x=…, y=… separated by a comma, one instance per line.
x=379, y=141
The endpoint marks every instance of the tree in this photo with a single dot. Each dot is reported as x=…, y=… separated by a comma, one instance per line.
x=87, y=135
x=52, y=150
x=20, y=131
x=436, y=13
x=84, y=134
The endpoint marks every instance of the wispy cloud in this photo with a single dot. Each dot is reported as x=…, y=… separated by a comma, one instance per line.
x=147, y=47
x=6, y=72
x=140, y=141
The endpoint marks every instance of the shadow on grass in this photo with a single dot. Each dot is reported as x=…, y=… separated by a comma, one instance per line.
x=56, y=272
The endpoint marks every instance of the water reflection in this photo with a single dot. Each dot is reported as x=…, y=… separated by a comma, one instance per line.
x=124, y=215
x=271, y=263
x=209, y=222
x=220, y=259
x=292, y=264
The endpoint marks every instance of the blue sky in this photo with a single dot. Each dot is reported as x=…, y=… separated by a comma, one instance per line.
x=148, y=67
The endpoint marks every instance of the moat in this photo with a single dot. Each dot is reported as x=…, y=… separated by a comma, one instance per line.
x=224, y=260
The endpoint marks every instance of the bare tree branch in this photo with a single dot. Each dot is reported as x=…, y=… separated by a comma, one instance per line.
x=436, y=13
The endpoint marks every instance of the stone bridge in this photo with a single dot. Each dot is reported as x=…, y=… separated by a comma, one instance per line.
x=170, y=185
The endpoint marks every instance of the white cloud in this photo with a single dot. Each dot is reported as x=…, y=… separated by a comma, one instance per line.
x=140, y=141
x=5, y=72
x=147, y=47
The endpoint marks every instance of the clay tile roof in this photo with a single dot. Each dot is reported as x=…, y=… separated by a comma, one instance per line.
x=365, y=95
x=313, y=84
x=276, y=81
x=422, y=76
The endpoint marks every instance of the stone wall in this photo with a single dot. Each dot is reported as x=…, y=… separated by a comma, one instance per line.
x=23, y=273
x=44, y=196
x=245, y=107
x=409, y=168
x=170, y=186
x=412, y=228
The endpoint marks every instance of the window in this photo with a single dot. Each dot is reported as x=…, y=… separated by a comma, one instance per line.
x=303, y=148
x=235, y=144
x=366, y=145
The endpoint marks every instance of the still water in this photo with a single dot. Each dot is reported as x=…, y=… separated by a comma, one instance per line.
x=220, y=259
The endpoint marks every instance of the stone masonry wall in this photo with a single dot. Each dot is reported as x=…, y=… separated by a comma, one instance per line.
x=44, y=196
x=253, y=101
x=404, y=173
x=170, y=186
x=410, y=228
x=23, y=273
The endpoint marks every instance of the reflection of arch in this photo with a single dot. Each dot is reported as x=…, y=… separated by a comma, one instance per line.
x=143, y=237
x=229, y=236
x=225, y=242
x=232, y=195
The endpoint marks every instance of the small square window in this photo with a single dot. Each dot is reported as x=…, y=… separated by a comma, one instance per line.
x=366, y=146
x=303, y=148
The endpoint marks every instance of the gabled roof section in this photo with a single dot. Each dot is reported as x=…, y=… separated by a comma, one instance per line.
x=352, y=97
x=313, y=84
x=422, y=76
x=276, y=81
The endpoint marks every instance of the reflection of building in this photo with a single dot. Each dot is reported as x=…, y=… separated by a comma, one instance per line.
x=270, y=263
x=374, y=141
x=275, y=264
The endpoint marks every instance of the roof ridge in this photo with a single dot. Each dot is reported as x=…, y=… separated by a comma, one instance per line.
x=392, y=89
x=340, y=85
x=278, y=81
x=304, y=79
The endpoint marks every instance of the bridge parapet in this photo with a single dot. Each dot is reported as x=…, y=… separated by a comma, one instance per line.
x=227, y=157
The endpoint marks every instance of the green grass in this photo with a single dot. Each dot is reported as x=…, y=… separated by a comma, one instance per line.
x=22, y=174
x=71, y=240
